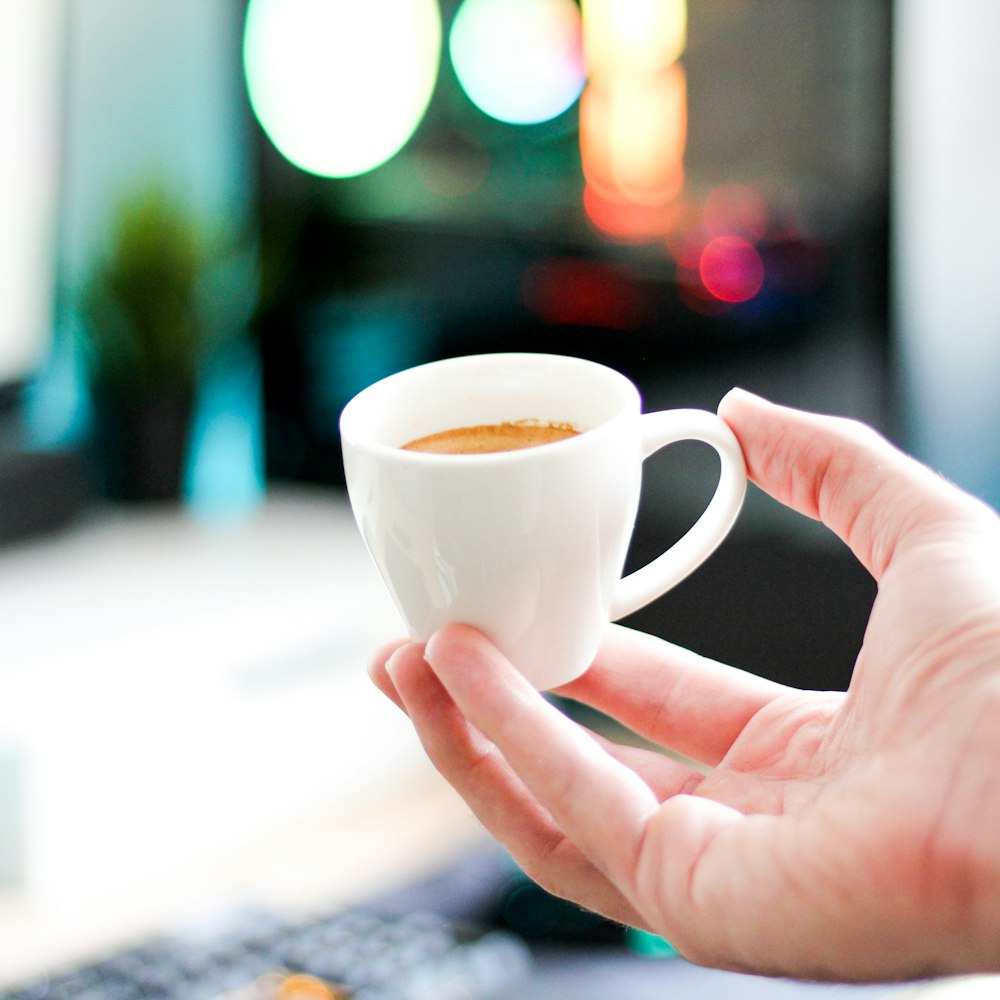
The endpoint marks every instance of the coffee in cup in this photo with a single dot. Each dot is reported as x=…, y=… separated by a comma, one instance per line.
x=484, y=439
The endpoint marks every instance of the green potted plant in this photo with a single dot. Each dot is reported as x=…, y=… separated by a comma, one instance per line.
x=145, y=340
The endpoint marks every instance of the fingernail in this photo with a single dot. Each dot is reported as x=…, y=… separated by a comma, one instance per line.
x=737, y=395
x=444, y=635
x=430, y=648
x=392, y=664
x=738, y=391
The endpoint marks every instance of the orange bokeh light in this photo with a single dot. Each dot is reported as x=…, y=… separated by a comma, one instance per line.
x=633, y=114
x=634, y=36
x=629, y=222
x=633, y=134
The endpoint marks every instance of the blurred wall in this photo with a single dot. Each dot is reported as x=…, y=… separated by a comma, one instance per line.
x=153, y=92
x=30, y=50
x=946, y=242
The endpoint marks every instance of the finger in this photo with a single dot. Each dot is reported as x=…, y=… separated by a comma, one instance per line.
x=499, y=799
x=845, y=474
x=380, y=676
x=597, y=802
x=664, y=775
x=670, y=695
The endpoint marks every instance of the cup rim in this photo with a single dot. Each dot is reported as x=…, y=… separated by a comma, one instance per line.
x=349, y=415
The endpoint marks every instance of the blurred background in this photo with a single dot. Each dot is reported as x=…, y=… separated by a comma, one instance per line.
x=222, y=218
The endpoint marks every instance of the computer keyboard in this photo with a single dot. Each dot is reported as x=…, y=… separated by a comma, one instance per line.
x=353, y=953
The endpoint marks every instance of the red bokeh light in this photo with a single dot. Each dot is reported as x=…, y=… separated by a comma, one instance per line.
x=731, y=269
x=628, y=222
x=569, y=292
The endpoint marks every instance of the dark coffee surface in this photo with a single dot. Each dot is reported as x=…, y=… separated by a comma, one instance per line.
x=486, y=438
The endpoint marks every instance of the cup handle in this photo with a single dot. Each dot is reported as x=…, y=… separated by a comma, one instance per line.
x=703, y=537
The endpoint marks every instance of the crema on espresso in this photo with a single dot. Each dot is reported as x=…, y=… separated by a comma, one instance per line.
x=486, y=438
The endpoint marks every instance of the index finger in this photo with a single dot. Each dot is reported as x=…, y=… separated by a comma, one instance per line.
x=844, y=473
x=551, y=755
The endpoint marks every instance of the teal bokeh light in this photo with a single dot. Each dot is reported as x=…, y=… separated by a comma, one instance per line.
x=519, y=61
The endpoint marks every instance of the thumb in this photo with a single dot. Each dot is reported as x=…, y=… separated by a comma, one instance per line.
x=844, y=474
x=780, y=895
x=725, y=897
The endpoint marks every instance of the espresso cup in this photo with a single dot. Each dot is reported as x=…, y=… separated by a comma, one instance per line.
x=527, y=545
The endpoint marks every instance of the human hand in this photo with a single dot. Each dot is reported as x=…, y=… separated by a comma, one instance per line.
x=835, y=836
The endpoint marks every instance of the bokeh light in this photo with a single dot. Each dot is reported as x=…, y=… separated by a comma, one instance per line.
x=582, y=293
x=628, y=221
x=519, y=61
x=633, y=115
x=731, y=269
x=640, y=36
x=338, y=86
x=632, y=136
x=451, y=163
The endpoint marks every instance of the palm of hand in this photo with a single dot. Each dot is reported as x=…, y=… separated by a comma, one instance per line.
x=870, y=783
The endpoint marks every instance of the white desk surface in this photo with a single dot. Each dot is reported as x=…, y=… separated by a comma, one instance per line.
x=185, y=718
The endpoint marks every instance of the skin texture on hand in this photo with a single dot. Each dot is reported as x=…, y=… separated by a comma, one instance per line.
x=835, y=836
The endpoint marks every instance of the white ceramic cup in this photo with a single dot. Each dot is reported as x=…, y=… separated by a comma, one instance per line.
x=529, y=545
